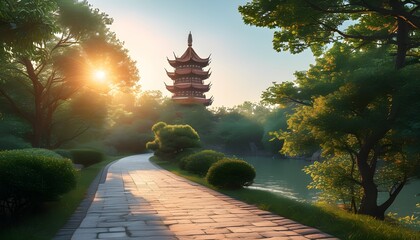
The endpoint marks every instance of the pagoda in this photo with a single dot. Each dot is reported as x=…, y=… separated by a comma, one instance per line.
x=188, y=76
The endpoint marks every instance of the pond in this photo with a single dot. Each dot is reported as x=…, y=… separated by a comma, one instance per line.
x=285, y=177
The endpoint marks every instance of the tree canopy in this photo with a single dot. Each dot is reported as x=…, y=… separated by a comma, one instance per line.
x=358, y=101
x=49, y=51
x=362, y=24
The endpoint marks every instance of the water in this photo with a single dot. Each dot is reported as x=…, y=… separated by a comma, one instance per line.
x=285, y=177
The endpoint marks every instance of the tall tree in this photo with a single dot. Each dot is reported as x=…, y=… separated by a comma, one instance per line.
x=50, y=49
x=346, y=110
x=362, y=25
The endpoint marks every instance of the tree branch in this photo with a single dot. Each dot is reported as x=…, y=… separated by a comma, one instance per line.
x=80, y=131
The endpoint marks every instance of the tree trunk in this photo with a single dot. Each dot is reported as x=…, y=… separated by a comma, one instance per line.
x=368, y=205
x=37, y=122
x=402, y=43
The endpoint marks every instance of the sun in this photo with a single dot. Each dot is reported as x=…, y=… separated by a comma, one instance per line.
x=99, y=75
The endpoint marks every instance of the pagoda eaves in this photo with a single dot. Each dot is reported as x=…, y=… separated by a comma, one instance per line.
x=188, y=77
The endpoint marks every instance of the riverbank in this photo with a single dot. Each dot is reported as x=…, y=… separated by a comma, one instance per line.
x=326, y=218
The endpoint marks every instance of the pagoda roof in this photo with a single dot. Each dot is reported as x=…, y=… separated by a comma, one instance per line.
x=183, y=86
x=188, y=71
x=189, y=56
x=193, y=100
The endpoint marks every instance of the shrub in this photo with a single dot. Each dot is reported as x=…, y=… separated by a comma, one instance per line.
x=86, y=157
x=199, y=163
x=28, y=177
x=64, y=153
x=172, y=140
x=9, y=142
x=231, y=174
x=184, y=154
x=40, y=152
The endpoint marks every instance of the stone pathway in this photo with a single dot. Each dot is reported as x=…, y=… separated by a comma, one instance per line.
x=141, y=201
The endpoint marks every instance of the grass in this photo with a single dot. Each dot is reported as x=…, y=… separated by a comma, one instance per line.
x=45, y=223
x=328, y=219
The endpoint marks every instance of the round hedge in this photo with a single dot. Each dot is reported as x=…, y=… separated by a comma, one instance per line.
x=199, y=163
x=86, y=157
x=27, y=178
x=231, y=174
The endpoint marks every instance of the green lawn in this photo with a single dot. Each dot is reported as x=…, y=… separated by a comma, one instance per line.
x=326, y=218
x=45, y=223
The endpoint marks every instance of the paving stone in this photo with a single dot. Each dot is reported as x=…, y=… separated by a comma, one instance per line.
x=140, y=201
x=112, y=235
x=306, y=231
x=318, y=236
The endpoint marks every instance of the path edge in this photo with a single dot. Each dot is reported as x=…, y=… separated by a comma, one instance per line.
x=67, y=231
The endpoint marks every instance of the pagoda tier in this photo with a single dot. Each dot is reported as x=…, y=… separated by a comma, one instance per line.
x=188, y=86
x=188, y=77
x=193, y=100
x=188, y=73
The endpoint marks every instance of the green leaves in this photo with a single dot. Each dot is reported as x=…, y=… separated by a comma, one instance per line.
x=302, y=24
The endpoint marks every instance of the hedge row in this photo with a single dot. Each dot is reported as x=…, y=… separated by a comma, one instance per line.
x=32, y=176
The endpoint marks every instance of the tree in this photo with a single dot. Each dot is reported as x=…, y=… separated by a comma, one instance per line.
x=172, y=140
x=368, y=121
x=363, y=24
x=62, y=43
x=350, y=120
x=237, y=133
x=195, y=115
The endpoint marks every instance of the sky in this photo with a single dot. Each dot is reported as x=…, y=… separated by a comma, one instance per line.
x=243, y=61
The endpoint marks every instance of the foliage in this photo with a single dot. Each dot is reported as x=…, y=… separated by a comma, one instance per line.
x=12, y=131
x=361, y=113
x=200, y=162
x=32, y=176
x=130, y=138
x=275, y=121
x=10, y=142
x=44, y=225
x=40, y=152
x=302, y=24
x=47, y=57
x=337, y=179
x=171, y=140
x=197, y=116
x=250, y=110
x=86, y=157
x=64, y=153
x=231, y=173
x=237, y=132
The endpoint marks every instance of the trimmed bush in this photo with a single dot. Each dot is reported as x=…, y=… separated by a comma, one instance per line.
x=64, y=153
x=40, y=152
x=231, y=174
x=86, y=157
x=171, y=142
x=199, y=163
x=28, y=177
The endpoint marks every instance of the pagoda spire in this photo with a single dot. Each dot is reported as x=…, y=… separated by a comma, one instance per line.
x=189, y=39
x=188, y=78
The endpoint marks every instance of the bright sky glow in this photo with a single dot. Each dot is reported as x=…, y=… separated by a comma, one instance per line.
x=99, y=76
x=243, y=60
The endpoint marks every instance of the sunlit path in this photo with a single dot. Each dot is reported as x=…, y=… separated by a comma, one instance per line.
x=141, y=201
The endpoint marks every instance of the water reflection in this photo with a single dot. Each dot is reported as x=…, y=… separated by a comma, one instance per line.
x=285, y=177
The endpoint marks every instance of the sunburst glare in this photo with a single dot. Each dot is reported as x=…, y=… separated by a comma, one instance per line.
x=99, y=76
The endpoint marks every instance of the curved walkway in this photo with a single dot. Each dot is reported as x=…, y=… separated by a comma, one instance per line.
x=141, y=201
